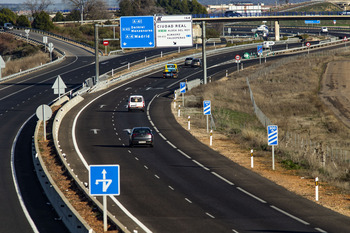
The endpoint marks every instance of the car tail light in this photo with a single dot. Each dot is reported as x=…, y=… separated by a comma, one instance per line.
x=143, y=103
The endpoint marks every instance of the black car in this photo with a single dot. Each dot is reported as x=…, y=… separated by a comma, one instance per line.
x=196, y=62
x=232, y=14
x=140, y=136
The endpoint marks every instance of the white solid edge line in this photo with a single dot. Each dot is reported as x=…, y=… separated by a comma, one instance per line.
x=15, y=181
x=320, y=230
x=86, y=164
x=227, y=181
x=128, y=213
x=289, y=215
x=252, y=195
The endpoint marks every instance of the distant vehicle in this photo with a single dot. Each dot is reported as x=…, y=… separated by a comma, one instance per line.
x=344, y=13
x=232, y=14
x=196, y=62
x=140, y=136
x=262, y=30
x=268, y=44
x=170, y=70
x=136, y=102
x=8, y=26
x=188, y=61
x=324, y=29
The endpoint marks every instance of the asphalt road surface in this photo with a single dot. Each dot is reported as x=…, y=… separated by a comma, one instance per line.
x=180, y=185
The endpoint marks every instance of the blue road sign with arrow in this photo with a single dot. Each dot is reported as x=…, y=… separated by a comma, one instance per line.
x=207, y=107
x=137, y=32
x=104, y=180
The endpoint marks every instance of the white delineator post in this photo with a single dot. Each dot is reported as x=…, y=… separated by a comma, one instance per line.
x=251, y=159
x=211, y=138
x=178, y=111
x=189, y=122
x=174, y=103
x=316, y=188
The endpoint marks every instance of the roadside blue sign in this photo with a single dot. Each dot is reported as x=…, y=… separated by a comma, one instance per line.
x=182, y=87
x=272, y=135
x=137, y=32
x=259, y=49
x=312, y=21
x=207, y=107
x=104, y=180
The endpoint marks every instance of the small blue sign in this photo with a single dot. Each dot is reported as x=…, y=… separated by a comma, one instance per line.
x=206, y=107
x=272, y=135
x=104, y=180
x=137, y=32
x=259, y=49
x=182, y=87
x=312, y=21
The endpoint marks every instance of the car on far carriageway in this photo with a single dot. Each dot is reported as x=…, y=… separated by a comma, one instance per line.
x=188, y=61
x=140, y=136
x=196, y=62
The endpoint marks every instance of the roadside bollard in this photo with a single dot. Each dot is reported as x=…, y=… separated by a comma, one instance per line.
x=175, y=95
x=128, y=65
x=189, y=123
x=178, y=111
x=226, y=73
x=161, y=53
x=145, y=59
x=174, y=103
x=241, y=66
x=211, y=138
x=251, y=159
x=316, y=188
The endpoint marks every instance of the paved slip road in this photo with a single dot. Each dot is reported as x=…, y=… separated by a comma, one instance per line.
x=180, y=185
x=19, y=99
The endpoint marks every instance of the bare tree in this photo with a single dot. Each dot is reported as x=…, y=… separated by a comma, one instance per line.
x=91, y=9
x=36, y=6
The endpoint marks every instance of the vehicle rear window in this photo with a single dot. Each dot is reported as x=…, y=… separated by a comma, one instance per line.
x=136, y=99
x=171, y=66
x=142, y=131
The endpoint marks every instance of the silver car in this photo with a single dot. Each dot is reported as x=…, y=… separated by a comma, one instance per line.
x=188, y=61
x=140, y=136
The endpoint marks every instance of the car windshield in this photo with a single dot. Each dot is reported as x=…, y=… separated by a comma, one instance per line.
x=171, y=66
x=189, y=58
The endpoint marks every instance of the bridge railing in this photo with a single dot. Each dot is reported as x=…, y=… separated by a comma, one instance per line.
x=294, y=13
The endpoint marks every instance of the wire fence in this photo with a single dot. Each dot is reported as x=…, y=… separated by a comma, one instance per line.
x=299, y=147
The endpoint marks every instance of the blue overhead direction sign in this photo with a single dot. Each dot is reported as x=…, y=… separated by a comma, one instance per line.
x=272, y=135
x=182, y=87
x=104, y=180
x=207, y=107
x=137, y=32
x=312, y=21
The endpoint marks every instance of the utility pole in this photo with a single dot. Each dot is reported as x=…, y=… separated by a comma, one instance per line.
x=204, y=55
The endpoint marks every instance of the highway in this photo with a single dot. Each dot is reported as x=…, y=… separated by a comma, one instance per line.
x=180, y=185
x=24, y=207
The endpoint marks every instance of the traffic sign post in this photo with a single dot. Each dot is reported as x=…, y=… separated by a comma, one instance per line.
x=238, y=60
x=308, y=46
x=183, y=91
x=272, y=140
x=104, y=180
x=45, y=41
x=2, y=65
x=27, y=33
x=259, y=50
x=345, y=39
x=50, y=46
x=44, y=113
x=207, y=111
x=105, y=43
x=59, y=87
x=137, y=32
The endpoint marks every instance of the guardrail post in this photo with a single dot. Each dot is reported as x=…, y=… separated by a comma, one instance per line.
x=161, y=53
x=128, y=65
x=145, y=59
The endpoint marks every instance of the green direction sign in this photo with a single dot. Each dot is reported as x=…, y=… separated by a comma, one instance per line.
x=246, y=56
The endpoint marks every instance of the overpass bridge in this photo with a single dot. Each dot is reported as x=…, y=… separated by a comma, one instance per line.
x=272, y=16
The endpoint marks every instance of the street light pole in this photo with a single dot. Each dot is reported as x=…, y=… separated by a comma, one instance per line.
x=97, y=62
x=204, y=55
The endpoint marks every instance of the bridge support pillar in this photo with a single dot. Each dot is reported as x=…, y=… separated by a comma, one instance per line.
x=277, y=31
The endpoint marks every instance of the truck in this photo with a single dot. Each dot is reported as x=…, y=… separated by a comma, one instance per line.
x=170, y=70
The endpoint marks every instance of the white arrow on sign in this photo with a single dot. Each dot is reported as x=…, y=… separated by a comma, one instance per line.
x=59, y=86
x=105, y=182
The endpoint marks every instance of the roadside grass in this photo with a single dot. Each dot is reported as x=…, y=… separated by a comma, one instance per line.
x=288, y=94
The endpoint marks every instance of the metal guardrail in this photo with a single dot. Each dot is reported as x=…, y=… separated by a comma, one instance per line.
x=63, y=55
x=261, y=14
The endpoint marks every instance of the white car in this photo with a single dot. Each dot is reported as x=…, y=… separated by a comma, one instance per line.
x=136, y=102
x=324, y=29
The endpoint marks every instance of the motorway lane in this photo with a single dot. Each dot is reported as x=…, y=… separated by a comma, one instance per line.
x=163, y=166
x=19, y=99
